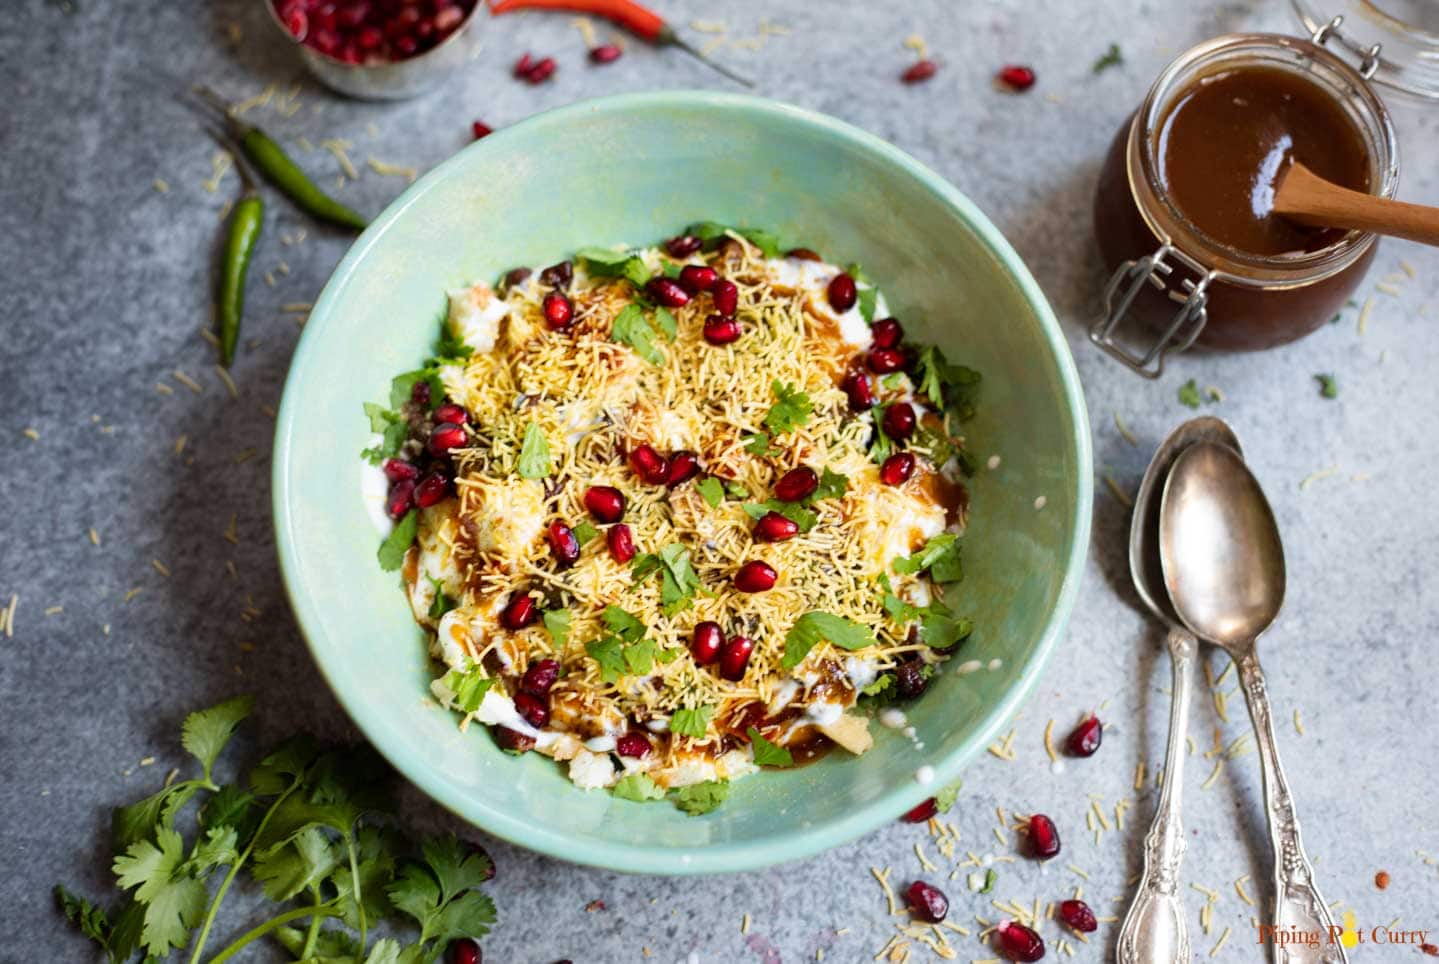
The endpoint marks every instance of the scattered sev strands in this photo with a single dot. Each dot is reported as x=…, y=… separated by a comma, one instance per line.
x=270, y=278
x=1139, y=775
x=133, y=593
x=9, y=616
x=232, y=531
x=1313, y=477
x=1124, y=431
x=586, y=28
x=164, y=389
x=180, y=443
x=1239, y=889
x=883, y=877
x=1363, y=321
x=209, y=336
x=54, y=610
x=221, y=162
x=244, y=456
x=1298, y=725
x=1388, y=289
x=338, y=146
x=187, y=381
x=744, y=924
x=392, y=170
x=297, y=306
x=1209, y=892
x=1218, y=765
x=1049, y=742
x=161, y=185
x=923, y=860
x=1239, y=747
x=230, y=385
x=1408, y=269
x=1124, y=498
x=94, y=536
x=1221, y=705
x=160, y=567
x=707, y=26
x=250, y=103
x=1222, y=938
x=303, y=143
x=231, y=569
x=1078, y=871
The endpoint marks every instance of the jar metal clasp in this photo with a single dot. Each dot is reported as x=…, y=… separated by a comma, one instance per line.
x=1371, y=55
x=1126, y=284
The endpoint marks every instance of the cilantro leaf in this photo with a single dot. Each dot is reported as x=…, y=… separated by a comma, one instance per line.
x=467, y=688
x=285, y=765
x=640, y=657
x=832, y=485
x=637, y=787
x=934, y=440
x=534, y=461
x=701, y=798
x=584, y=532
x=1189, y=394
x=230, y=806
x=174, y=901
x=990, y=877
x=441, y=603
x=397, y=543
x=880, y=445
x=713, y=235
x=953, y=387
x=456, y=868
x=380, y=417
x=712, y=489
x=602, y=262
x=867, y=297
x=557, y=624
x=1328, y=386
x=947, y=795
x=622, y=623
x=632, y=328
x=814, y=626
x=137, y=821
x=767, y=754
x=940, y=631
x=609, y=654
x=758, y=444
x=940, y=555
x=401, y=387
x=441, y=896
x=736, y=491
x=219, y=847
x=290, y=866
x=881, y=685
x=693, y=723
x=93, y=922
x=1111, y=58
x=791, y=410
x=666, y=322
x=205, y=733
x=679, y=581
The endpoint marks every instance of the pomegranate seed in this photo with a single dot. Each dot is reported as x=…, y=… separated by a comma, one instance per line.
x=519, y=613
x=726, y=296
x=922, y=813
x=420, y=392
x=369, y=38
x=451, y=413
x=774, y=527
x=886, y=333
x=621, y=543
x=1018, y=943
x=513, y=740
x=1086, y=736
x=444, y=437
x=397, y=470
x=633, y=745
x=897, y=469
x=463, y=950
x=861, y=393
x=885, y=360
x=298, y=24
x=483, y=130
x=695, y=278
x=796, y=484
x=541, y=71
x=356, y=13
x=431, y=489
x=683, y=246
x=400, y=497
x=1043, y=837
x=927, y=901
x=558, y=275
x=559, y=312
x=920, y=70
x=406, y=46
x=649, y=466
x=803, y=254
x=899, y=421
x=325, y=41
x=1016, y=77
x=605, y=54
x=532, y=709
x=842, y=292
x=683, y=467
x=540, y=677
x=911, y=680
x=706, y=643
x=1076, y=914
x=605, y=502
x=735, y=658
x=721, y=330
x=755, y=576
x=447, y=19
x=563, y=544
x=516, y=276
x=667, y=292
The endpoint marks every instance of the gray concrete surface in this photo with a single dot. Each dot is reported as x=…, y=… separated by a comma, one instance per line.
x=106, y=288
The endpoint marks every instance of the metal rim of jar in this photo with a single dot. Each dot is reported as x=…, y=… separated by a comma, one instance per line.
x=1171, y=226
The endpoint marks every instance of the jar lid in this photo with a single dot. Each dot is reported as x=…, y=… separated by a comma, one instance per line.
x=1396, y=42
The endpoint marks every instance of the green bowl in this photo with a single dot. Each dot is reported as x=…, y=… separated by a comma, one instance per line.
x=635, y=169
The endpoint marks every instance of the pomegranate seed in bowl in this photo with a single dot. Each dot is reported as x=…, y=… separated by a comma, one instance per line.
x=861, y=393
x=402, y=494
x=796, y=484
x=683, y=246
x=633, y=745
x=885, y=360
x=721, y=330
x=1016, y=77
x=449, y=412
x=559, y=311
x=683, y=467
x=842, y=292
x=910, y=679
x=755, y=576
x=734, y=660
x=695, y=278
x=1086, y=736
x=899, y=421
x=1018, y=943
x=649, y=465
x=667, y=292
x=563, y=544
x=397, y=470
x=1076, y=914
x=706, y=643
x=605, y=502
x=927, y=901
x=431, y=489
x=540, y=677
x=605, y=54
x=886, y=333
x=897, y=469
x=532, y=708
x=513, y=740
x=621, y=543
x=558, y=276
x=774, y=527
x=519, y=613
x=1043, y=837
x=444, y=437
x=725, y=295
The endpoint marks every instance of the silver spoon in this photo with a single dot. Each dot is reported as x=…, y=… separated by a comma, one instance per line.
x=1154, y=929
x=1224, y=570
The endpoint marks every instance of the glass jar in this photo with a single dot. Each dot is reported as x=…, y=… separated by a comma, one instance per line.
x=1175, y=280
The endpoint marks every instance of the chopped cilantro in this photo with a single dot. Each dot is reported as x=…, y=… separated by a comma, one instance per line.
x=990, y=877
x=940, y=555
x=790, y=411
x=880, y=446
x=468, y=688
x=882, y=683
x=758, y=444
x=947, y=795
x=622, y=623
x=442, y=603
x=736, y=491
x=806, y=519
x=893, y=381
x=832, y=485
x=608, y=263
x=397, y=543
x=584, y=532
x=767, y=754
x=534, y=462
x=814, y=626
x=1328, y=386
x=693, y=723
x=557, y=624
x=380, y=417
x=713, y=235
x=609, y=654
x=666, y=322
x=679, y=581
x=701, y=798
x=393, y=432
x=401, y=386
x=638, y=787
x=1112, y=58
x=632, y=328
x=934, y=440
x=640, y=657
x=1189, y=394
x=951, y=387
x=712, y=489
x=644, y=564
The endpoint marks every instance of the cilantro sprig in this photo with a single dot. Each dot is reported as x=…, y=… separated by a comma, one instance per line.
x=308, y=827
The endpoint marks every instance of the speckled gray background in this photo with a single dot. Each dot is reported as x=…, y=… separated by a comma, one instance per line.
x=106, y=287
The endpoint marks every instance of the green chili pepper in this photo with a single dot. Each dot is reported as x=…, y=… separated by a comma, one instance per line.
x=245, y=222
x=285, y=174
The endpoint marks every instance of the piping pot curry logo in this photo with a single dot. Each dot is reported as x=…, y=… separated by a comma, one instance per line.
x=1350, y=935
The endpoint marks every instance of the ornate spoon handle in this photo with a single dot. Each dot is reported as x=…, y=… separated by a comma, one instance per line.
x=1297, y=903
x=1153, y=931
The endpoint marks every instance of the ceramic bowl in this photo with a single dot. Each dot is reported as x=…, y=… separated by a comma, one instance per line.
x=636, y=169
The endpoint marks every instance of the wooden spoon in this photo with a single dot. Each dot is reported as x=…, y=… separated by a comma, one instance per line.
x=1306, y=197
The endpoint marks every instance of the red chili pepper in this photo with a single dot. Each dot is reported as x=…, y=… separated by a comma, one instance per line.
x=638, y=20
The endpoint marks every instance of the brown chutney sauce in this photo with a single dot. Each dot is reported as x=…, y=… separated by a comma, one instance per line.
x=1202, y=161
